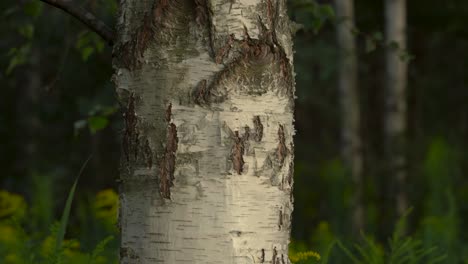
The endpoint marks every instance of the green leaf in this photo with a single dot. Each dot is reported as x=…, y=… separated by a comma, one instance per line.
x=109, y=110
x=326, y=11
x=317, y=25
x=88, y=43
x=97, y=123
x=99, y=43
x=18, y=57
x=99, y=249
x=27, y=31
x=33, y=8
x=83, y=40
x=86, y=52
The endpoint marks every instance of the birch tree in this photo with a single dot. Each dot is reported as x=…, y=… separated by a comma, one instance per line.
x=207, y=88
x=395, y=98
x=351, y=149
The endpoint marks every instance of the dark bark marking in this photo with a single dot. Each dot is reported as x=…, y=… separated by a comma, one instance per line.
x=131, y=52
x=280, y=221
x=160, y=9
x=201, y=94
x=231, y=3
x=274, y=259
x=282, y=150
x=270, y=11
x=269, y=36
x=169, y=113
x=126, y=252
x=148, y=153
x=130, y=137
x=222, y=52
x=282, y=259
x=167, y=164
x=290, y=176
x=262, y=259
x=258, y=129
x=237, y=153
x=256, y=54
x=201, y=12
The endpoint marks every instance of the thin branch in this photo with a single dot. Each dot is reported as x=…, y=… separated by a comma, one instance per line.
x=85, y=17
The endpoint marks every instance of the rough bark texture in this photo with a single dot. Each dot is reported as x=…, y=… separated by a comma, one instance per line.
x=351, y=149
x=206, y=171
x=395, y=104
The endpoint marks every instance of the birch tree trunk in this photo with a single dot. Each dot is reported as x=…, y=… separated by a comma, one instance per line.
x=351, y=150
x=207, y=162
x=395, y=104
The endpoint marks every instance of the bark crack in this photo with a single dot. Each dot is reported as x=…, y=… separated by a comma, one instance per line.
x=237, y=153
x=130, y=137
x=282, y=151
x=167, y=164
x=280, y=222
x=274, y=259
x=131, y=52
x=258, y=128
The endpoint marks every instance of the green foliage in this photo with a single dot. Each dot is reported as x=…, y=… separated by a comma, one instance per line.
x=99, y=250
x=401, y=250
x=97, y=123
x=312, y=14
x=339, y=193
x=440, y=225
x=17, y=246
x=60, y=234
x=88, y=43
x=98, y=119
x=18, y=57
x=33, y=8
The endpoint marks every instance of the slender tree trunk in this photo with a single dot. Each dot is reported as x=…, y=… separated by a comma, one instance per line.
x=395, y=104
x=207, y=162
x=28, y=117
x=350, y=109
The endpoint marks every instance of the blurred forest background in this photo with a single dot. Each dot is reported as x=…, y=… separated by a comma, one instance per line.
x=57, y=107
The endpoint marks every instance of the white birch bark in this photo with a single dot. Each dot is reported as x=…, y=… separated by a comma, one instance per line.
x=395, y=104
x=207, y=165
x=351, y=149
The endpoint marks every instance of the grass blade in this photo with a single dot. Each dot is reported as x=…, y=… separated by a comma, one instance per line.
x=66, y=212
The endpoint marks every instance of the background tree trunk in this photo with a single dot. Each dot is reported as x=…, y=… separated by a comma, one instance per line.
x=350, y=109
x=27, y=114
x=395, y=99
x=207, y=162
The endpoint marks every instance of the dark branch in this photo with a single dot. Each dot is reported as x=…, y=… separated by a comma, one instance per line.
x=85, y=17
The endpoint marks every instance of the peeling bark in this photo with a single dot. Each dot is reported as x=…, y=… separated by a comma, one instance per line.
x=211, y=112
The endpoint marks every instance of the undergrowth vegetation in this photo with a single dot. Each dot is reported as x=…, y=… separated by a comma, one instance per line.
x=29, y=235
